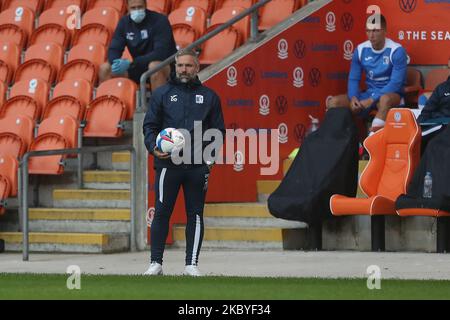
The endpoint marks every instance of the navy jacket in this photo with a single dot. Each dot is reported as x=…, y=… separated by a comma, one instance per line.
x=179, y=105
x=438, y=106
x=150, y=40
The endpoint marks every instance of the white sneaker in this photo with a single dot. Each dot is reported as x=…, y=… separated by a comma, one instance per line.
x=192, y=270
x=155, y=269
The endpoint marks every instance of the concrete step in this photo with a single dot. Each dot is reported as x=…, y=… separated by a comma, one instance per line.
x=242, y=238
x=85, y=198
x=79, y=220
x=253, y=215
x=68, y=242
x=121, y=161
x=110, y=180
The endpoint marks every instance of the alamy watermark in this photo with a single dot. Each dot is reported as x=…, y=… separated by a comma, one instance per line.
x=74, y=280
x=374, y=279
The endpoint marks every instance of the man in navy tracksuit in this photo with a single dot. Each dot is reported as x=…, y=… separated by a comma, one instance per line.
x=182, y=103
x=149, y=39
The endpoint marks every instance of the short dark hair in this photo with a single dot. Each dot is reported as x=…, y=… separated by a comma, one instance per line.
x=373, y=19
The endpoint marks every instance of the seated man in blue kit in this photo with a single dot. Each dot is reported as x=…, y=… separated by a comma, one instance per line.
x=384, y=63
x=149, y=39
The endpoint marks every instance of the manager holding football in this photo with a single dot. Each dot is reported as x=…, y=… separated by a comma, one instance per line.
x=182, y=104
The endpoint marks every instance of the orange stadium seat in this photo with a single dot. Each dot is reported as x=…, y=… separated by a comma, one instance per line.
x=79, y=88
x=122, y=88
x=5, y=189
x=51, y=4
x=223, y=15
x=13, y=34
x=206, y=5
x=52, y=53
x=9, y=61
x=52, y=165
x=9, y=167
x=219, y=46
x=57, y=16
x=22, y=126
x=51, y=32
x=192, y=16
x=20, y=16
x=436, y=77
x=21, y=106
x=234, y=3
x=184, y=35
x=276, y=11
x=94, y=52
x=33, y=88
x=109, y=17
x=12, y=145
x=394, y=155
x=64, y=106
x=34, y=5
x=65, y=126
x=161, y=6
x=35, y=69
x=104, y=117
x=79, y=69
x=93, y=33
x=119, y=5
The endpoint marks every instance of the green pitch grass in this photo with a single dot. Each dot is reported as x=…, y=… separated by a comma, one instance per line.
x=28, y=286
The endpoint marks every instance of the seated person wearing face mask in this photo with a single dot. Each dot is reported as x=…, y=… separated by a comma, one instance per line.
x=149, y=39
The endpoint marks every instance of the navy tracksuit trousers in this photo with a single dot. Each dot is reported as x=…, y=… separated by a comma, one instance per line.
x=168, y=181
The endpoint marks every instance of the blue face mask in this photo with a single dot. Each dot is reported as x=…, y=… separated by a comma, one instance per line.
x=137, y=15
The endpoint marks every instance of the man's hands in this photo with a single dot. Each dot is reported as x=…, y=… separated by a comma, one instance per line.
x=160, y=155
x=358, y=105
x=120, y=66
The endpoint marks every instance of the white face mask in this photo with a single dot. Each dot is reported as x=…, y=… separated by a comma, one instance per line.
x=137, y=15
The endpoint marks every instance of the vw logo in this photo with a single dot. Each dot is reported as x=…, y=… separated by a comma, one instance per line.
x=347, y=21
x=299, y=132
x=407, y=6
x=314, y=77
x=249, y=76
x=300, y=49
x=282, y=105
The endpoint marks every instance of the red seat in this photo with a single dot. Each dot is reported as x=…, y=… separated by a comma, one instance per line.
x=51, y=32
x=413, y=86
x=95, y=53
x=13, y=34
x=51, y=52
x=119, y=5
x=20, y=16
x=9, y=167
x=64, y=106
x=183, y=34
x=80, y=89
x=192, y=16
x=92, y=33
x=34, y=88
x=56, y=15
x=22, y=126
x=104, y=117
x=65, y=126
x=36, y=69
x=206, y=5
x=79, y=69
x=122, y=88
x=161, y=6
x=436, y=77
x=11, y=144
x=219, y=46
x=276, y=11
x=109, y=17
x=58, y=4
x=52, y=165
x=9, y=61
x=21, y=106
x=34, y=5
x=234, y=3
x=223, y=15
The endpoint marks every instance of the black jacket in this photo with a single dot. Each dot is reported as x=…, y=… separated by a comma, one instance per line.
x=438, y=106
x=179, y=105
x=150, y=40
